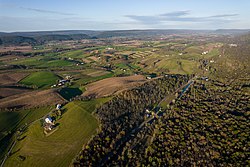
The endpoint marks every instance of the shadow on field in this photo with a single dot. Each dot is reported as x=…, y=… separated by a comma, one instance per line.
x=69, y=93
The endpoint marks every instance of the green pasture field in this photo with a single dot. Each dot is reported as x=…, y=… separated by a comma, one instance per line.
x=76, y=127
x=41, y=79
x=11, y=121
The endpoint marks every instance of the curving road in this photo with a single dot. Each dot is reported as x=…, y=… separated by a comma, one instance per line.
x=118, y=149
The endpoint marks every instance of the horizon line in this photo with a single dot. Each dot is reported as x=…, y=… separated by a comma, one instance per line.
x=61, y=30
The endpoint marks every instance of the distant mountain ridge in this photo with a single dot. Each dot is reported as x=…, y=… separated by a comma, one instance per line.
x=39, y=37
x=17, y=39
x=118, y=32
x=41, y=33
x=232, y=31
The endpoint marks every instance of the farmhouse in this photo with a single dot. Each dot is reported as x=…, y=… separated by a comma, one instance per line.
x=48, y=119
x=204, y=78
x=204, y=53
x=233, y=45
x=48, y=124
x=58, y=106
x=61, y=82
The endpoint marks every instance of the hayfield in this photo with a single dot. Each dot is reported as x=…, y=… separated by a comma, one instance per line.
x=94, y=72
x=43, y=62
x=83, y=80
x=76, y=127
x=10, y=121
x=177, y=66
x=42, y=79
x=74, y=54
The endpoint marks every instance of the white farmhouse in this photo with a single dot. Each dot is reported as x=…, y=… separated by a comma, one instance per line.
x=58, y=106
x=48, y=120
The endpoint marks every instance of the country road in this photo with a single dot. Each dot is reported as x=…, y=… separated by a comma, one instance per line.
x=123, y=141
x=131, y=135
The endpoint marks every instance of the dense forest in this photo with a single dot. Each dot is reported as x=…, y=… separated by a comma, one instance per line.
x=38, y=40
x=123, y=115
x=207, y=126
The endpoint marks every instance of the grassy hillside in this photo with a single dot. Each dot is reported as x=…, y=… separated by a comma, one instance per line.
x=74, y=54
x=41, y=79
x=10, y=121
x=76, y=127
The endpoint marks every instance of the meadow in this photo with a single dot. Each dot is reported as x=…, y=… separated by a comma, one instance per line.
x=41, y=79
x=93, y=69
x=76, y=127
x=48, y=61
x=11, y=121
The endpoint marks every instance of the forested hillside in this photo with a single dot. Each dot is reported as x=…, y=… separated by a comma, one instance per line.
x=123, y=115
x=208, y=125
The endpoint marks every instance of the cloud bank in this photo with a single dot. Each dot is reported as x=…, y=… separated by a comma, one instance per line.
x=181, y=16
x=47, y=11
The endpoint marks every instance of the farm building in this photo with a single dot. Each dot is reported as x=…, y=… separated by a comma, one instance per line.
x=48, y=119
x=48, y=126
x=63, y=81
x=58, y=106
x=204, y=53
x=68, y=77
x=233, y=45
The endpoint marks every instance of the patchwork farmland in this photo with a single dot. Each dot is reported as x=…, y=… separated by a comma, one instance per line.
x=113, y=99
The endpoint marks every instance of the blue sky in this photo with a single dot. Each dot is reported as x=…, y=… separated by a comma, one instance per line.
x=39, y=15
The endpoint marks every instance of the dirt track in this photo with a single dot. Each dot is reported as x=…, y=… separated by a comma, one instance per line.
x=113, y=85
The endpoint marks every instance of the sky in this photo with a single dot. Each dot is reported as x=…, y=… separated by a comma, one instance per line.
x=45, y=15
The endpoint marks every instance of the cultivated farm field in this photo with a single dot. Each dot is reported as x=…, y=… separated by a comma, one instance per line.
x=109, y=86
x=40, y=79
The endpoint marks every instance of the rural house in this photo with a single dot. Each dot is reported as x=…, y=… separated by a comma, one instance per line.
x=48, y=124
x=58, y=106
x=49, y=120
